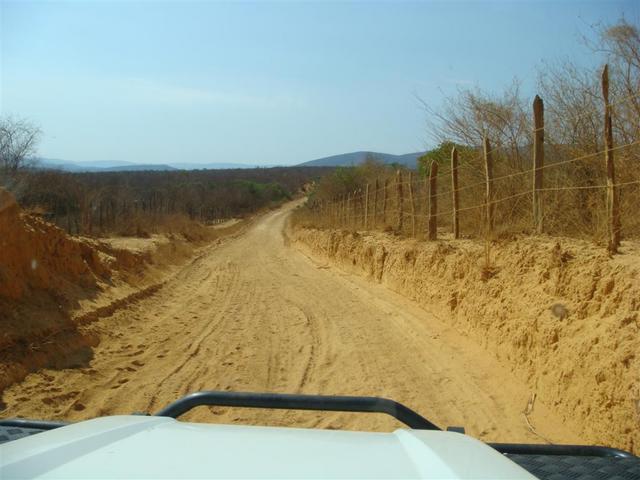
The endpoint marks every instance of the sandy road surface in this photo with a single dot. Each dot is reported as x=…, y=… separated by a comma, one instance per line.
x=254, y=314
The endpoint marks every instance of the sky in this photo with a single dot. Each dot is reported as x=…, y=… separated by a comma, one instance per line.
x=268, y=83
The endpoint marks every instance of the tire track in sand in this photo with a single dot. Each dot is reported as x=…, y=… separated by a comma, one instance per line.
x=254, y=314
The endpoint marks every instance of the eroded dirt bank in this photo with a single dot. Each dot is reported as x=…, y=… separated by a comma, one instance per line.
x=51, y=284
x=255, y=314
x=561, y=314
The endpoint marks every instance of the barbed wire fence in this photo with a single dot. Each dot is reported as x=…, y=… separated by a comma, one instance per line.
x=483, y=197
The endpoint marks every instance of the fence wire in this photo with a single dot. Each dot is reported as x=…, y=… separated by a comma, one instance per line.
x=406, y=206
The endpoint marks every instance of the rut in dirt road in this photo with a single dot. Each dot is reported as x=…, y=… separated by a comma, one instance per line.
x=254, y=314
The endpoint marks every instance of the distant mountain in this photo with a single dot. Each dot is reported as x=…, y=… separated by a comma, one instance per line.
x=138, y=168
x=119, y=166
x=54, y=164
x=57, y=164
x=356, y=158
x=214, y=166
x=343, y=160
x=105, y=164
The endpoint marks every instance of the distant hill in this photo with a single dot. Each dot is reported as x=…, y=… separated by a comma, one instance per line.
x=57, y=164
x=356, y=158
x=103, y=164
x=215, y=166
x=342, y=160
x=138, y=168
x=119, y=166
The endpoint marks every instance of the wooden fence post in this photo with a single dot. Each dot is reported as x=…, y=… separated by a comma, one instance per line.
x=426, y=196
x=384, y=202
x=400, y=220
x=346, y=209
x=357, y=200
x=353, y=219
x=362, y=219
x=333, y=205
x=454, y=191
x=332, y=208
x=352, y=208
x=433, y=201
x=488, y=169
x=413, y=207
x=349, y=209
x=538, y=162
x=613, y=212
x=359, y=208
x=363, y=207
x=366, y=206
x=375, y=205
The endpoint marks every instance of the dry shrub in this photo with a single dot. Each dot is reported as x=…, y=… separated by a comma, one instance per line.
x=574, y=204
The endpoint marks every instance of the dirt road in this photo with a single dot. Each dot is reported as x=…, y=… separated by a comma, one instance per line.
x=254, y=314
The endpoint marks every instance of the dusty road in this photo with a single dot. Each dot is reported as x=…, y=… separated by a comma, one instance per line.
x=254, y=314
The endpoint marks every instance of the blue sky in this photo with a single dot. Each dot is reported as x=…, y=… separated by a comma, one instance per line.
x=267, y=83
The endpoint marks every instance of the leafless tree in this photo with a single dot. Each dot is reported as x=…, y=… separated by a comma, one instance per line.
x=621, y=44
x=468, y=116
x=18, y=142
x=573, y=106
x=572, y=94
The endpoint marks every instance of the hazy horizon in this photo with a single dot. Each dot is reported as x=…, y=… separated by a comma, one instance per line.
x=116, y=162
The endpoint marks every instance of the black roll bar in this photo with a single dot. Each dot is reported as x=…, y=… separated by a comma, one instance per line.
x=298, y=402
x=33, y=424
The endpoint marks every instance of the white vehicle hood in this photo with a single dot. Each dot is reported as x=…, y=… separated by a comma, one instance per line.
x=160, y=447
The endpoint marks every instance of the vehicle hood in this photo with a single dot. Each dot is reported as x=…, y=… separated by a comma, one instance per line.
x=160, y=447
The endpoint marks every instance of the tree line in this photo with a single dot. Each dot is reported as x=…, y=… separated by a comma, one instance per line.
x=120, y=202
